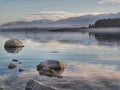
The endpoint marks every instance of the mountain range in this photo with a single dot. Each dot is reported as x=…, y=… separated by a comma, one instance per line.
x=81, y=21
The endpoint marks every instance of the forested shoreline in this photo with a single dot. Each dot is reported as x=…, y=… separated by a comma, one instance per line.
x=110, y=22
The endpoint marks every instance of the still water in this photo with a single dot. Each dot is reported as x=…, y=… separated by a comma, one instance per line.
x=95, y=50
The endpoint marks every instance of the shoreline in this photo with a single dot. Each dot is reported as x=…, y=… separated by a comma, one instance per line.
x=65, y=83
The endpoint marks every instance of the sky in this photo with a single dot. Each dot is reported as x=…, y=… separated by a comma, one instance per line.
x=20, y=10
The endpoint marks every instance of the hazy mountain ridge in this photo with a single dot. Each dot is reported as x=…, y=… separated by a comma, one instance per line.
x=80, y=21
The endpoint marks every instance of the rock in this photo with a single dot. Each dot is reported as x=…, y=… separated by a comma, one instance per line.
x=51, y=68
x=15, y=60
x=36, y=85
x=12, y=66
x=13, y=43
x=21, y=70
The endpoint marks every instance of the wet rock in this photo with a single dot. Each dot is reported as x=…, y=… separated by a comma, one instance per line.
x=13, y=43
x=12, y=66
x=15, y=60
x=36, y=85
x=51, y=68
x=21, y=70
x=13, y=49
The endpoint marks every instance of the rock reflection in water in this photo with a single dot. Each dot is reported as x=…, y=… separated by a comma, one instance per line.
x=52, y=72
x=13, y=50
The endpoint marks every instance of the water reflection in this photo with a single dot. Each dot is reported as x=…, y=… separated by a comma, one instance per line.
x=106, y=37
x=70, y=45
x=13, y=50
x=91, y=62
x=89, y=37
x=51, y=72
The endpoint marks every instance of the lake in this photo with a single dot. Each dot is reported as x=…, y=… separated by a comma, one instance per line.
x=89, y=53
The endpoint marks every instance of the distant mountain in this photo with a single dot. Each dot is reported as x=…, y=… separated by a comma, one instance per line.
x=87, y=19
x=35, y=23
x=81, y=21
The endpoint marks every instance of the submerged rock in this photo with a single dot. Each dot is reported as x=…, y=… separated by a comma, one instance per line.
x=19, y=62
x=55, y=52
x=36, y=85
x=13, y=43
x=12, y=66
x=51, y=68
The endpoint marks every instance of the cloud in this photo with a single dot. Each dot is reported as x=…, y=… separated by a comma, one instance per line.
x=54, y=15
x=109, y=1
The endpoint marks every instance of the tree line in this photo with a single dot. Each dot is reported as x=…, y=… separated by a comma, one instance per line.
x=110, y=22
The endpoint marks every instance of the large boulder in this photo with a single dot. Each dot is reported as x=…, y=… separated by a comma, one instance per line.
x=36, y=85
x=13, y=43
x=51, y=68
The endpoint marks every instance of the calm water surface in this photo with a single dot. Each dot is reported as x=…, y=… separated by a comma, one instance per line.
x=91, y=49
